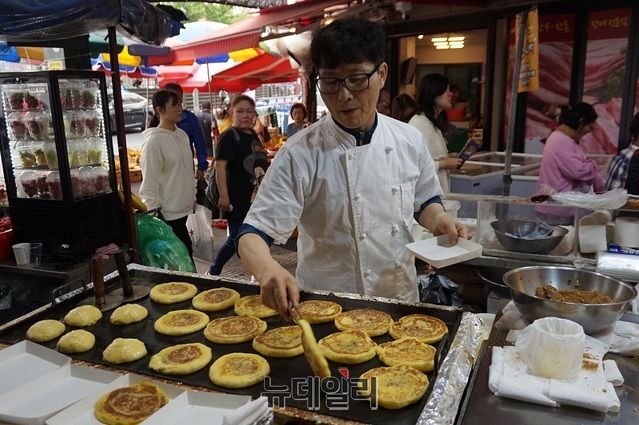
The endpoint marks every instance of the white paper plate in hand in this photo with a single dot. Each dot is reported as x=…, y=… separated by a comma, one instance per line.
x=439, y=253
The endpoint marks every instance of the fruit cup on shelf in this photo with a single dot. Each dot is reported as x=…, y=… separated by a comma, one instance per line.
x=16, y=100
x=38, y=124
x=40, y=157
x=78, y=124
x=95, y=150
x=76, y=185
x=55, y=185
x=89, y=94
x=92, y=121
x=87, y=181
x=101, y=180
x=51, y=155
x=43, y=187
x=17, y=126
x=71, y=95
x=26, y=154
x=32, y=101
x=29, y=183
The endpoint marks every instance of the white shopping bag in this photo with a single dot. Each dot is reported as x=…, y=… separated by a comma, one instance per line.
x=199, y=226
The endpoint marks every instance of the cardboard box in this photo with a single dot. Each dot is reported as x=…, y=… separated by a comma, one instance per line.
x=134, y=175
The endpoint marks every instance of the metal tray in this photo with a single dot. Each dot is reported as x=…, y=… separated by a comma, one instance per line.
x=285, y=373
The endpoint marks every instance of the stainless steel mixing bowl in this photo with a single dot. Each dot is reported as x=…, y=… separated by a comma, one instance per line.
x=594, y=318
x=529, y=246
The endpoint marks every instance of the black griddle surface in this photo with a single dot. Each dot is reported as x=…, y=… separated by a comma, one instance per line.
x=284, y=372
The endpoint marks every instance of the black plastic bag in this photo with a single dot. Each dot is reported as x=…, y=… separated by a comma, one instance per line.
x=200, y=194
x=438, y=289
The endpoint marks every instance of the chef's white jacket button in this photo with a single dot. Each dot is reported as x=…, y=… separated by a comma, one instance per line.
x=397, y=264
x=388, y=149
x=357, y=196
x=395, y=190
x=362, y=236
x=367, y=273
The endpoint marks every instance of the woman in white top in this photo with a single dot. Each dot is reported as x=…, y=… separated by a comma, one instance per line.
x=168, y=175
x=433, y=98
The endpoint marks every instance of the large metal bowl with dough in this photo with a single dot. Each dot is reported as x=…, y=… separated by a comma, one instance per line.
x=594, y=318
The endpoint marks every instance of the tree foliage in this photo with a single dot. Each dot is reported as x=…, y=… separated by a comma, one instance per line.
x=215, y=12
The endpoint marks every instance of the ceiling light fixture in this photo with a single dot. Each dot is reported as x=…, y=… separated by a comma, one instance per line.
x=420, y=36
x=452, y=42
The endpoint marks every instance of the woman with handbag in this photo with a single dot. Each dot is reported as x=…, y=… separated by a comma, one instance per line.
x=233, y=179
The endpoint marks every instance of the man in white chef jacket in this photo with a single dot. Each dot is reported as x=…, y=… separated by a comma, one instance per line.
x=351, y=184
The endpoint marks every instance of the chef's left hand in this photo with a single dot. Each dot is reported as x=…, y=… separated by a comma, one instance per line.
x=445, y=225
x=199, y=174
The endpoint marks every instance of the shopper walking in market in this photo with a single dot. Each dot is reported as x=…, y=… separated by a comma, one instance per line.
x=618, y=168
x=205, y=120
x=299, y=113
x=350, y=183
x=168, y=179
x=564, y=165
x=234, y=167
x=433, y=98
x=190, y=125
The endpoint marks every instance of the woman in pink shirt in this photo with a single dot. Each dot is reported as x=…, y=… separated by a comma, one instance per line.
x=564, y=165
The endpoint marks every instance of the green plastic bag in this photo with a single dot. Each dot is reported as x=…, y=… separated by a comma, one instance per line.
x=159, y=247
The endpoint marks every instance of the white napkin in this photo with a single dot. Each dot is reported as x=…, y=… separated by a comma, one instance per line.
x=508, y=377
x=246, y=414
x=613, y=375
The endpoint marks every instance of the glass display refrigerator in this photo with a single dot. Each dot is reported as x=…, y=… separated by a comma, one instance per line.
x=58, y=161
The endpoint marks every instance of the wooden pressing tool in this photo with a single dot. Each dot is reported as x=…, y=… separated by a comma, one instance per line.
x=129, y=292
x=102, y=300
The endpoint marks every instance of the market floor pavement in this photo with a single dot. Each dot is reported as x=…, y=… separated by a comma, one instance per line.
x=285, y=255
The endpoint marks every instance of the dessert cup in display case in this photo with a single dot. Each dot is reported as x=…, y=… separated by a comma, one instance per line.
x=29, y=183
x=55, y=185
x=51, y=154
x=17, y=126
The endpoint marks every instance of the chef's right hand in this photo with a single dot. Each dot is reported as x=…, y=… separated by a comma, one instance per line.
x=278, y=289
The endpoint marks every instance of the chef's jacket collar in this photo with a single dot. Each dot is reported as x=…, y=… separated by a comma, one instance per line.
x=361, y=137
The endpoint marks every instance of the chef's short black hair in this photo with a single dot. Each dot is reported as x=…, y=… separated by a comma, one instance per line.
x=349, y=40
x=578, y=115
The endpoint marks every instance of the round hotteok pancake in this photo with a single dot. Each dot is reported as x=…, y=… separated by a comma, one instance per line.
x=128, y=314
x=181, y=322
x=397, y=386
x=425, y=328
x=350, y=347
x=234, y=329
x=85, y=315
x=239, y=370
x=78, y=341
x=45, y=330
x=285, y=341
x=408, y=351
x=215, y=299
x=252, y=306
x=130, y=405
x=124, y=350
x=172, y=292
x=181, y=359
x=373, y=322
x=319, y=311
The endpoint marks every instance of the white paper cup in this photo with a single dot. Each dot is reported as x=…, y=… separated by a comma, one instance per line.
x=22, y=253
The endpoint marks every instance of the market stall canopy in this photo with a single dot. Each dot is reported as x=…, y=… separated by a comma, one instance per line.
x=36, y=20
x=245, y=33
x=230, y=76
x=99, y=43
x=129, y=71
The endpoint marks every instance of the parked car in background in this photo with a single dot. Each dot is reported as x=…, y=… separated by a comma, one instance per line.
x=137, y=111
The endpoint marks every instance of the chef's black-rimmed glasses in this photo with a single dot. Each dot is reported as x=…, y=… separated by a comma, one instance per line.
x=354, y=82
